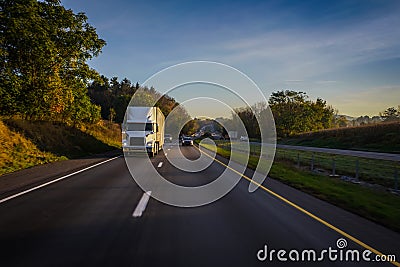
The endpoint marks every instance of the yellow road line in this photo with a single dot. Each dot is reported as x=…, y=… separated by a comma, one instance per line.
x=315, y=217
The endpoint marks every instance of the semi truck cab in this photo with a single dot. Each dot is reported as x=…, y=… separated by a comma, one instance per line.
x=143, y=130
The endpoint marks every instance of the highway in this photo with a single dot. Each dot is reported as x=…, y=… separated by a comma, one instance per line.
x=87, y=220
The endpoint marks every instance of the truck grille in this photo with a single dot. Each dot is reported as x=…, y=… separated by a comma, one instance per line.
x=136, y=141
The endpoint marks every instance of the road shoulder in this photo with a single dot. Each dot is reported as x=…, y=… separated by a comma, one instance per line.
x=18, y=181
x=377, y=236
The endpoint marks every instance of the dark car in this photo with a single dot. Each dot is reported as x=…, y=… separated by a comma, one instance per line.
x=187, y=141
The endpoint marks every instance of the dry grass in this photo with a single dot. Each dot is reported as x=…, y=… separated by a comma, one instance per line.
x=27, y=143
x=17, y=152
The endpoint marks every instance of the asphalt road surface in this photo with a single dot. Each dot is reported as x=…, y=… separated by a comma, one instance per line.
x=88, y=219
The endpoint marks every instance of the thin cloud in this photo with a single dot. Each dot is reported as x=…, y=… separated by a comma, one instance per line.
x=294, y=81
x=325, y=82
x=310, y=53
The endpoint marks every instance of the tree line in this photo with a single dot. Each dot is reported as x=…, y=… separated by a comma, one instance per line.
x=295, y=113
x=44, y=75
x=391, y=114
x=114, y=96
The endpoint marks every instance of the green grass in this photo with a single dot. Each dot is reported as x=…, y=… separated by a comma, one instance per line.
x=383, y=137
x=378, y=206
x=28, y=143
x=373, y=171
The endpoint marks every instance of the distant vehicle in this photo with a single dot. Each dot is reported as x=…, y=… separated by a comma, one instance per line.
x=187, y=141
x=167, y=138
x=244, y=138
x=216, y=136
x=143, y=130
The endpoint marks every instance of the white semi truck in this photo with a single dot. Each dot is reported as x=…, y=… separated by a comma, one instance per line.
x=143, y=130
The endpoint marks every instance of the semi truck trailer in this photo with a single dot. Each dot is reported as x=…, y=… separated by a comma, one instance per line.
x=143, y=130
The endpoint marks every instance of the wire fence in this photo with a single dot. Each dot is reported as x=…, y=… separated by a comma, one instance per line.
x=356, y=169
x=353, y=169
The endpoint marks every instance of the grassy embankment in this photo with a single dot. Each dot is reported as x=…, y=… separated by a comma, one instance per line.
x=378, y=206
x=28, y=143
x=383, y=137
x=379, y=172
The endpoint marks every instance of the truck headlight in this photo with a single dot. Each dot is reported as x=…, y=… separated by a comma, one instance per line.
x=149, y=144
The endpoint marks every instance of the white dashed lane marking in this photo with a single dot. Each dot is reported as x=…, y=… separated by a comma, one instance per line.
x=141, y=206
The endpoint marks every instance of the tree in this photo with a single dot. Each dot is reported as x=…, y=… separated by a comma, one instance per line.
x=391, y=114
x=295, y=113
x=341, y=121
x=249, y=119
x=44, y=48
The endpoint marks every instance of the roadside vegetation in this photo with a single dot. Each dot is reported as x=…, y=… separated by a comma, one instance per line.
x=28, y=143
x=382, y=137
x=17, y=152
x=379, y=206
x=53, y=106
x=372, y=171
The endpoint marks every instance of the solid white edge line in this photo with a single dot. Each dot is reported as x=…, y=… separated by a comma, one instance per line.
x=54, y=181
x=141, y=206
x=160, y=164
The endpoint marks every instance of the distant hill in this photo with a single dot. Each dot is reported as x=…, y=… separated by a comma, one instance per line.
x=381, y=137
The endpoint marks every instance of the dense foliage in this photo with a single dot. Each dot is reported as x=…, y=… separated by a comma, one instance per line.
x=295, y=113
x=113, y=97
x=43, y=73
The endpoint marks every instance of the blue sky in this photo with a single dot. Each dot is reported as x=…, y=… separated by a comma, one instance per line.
x=346, y=52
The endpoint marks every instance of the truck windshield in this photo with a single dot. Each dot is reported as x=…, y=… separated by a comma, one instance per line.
x=139, y=127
